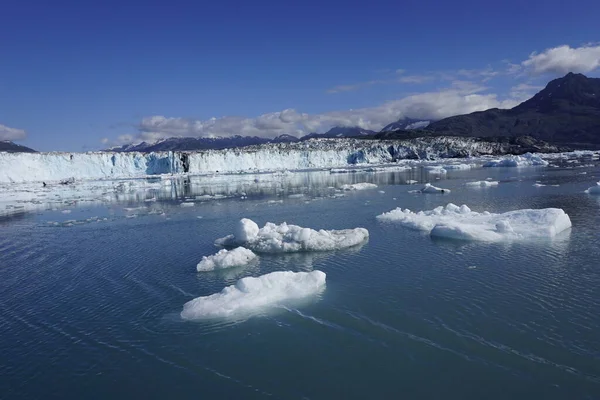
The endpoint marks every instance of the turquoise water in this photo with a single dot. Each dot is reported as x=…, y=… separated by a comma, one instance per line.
x=90, y=300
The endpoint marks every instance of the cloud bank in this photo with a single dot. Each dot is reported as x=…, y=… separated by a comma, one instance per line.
x=463, y=97
x=7, y=133
x=563, y=59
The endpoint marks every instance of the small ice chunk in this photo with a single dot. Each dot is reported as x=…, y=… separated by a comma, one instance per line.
x=359, y=186
x=486, y=183
x=296, y=196
x=286, y=238
x=594, y=189
x=226, y=259
x=429, y=188
x=251, y=295
x=411, y=182
x=456, y=222
x=187, y=204
x=436, y=169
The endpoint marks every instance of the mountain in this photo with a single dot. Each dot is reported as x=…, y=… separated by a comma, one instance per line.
x=190, y=144
x=11, y=147
x=340, y=132
x=406, y=124
x=566, y=111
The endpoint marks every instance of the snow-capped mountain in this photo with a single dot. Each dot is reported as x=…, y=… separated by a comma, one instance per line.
x=191, y=144
x=11, y=147
x=406, y=124
x=340, y=132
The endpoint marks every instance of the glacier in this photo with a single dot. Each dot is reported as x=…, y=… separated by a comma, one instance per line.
x=311, y=154
x=456, y=222
x=286, y=238
x=251, y=295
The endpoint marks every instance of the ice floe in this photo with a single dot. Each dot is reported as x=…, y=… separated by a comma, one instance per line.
x=251, y=295
x=482, y=184
x=359, y=186
x=457, y=222
x=226, y=259
x=285, y=238
x=429, y=188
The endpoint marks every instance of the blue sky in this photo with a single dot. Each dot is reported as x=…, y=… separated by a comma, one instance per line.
x=79, y=76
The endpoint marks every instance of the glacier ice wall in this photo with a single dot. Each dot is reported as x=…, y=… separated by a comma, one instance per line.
x=319, y=153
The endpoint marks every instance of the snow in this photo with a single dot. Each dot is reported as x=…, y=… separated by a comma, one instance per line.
x=429, y=188
x=594, y=189
x=226, y=259
x=527, y=159
x=252, y=295
x=285, y=238
x=359, y=186
x=482, y=184
x=456, y=222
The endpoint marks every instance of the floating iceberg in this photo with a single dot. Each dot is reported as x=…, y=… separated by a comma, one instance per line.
x=250, y=295
x=359, y=186
x=226, y=259
x=482, y=183
x=594, y=189
x=429, y=188
x=456, y=222
x=527, y=159
x=286, y=238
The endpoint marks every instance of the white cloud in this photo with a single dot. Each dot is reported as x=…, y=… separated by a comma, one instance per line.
x=563, y=59
x=7, y=133
x=462, y=97
x=416, y=79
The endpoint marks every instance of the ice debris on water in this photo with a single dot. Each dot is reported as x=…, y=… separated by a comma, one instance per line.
x=457, y=222
x=429, y=188
x=359, y=186
x=527, y=159
x=226, y=259
x=251, y=295
x=482, y=184
x=285, y=238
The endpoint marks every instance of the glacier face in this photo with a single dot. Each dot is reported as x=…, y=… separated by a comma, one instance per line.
x=312, y=154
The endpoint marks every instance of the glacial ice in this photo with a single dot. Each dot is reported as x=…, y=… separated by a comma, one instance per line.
x=457, y=222
x=252, y=295
x=429, y=188
x=482, y=183
x=594, y=189
x=286, y=238
x=359, y=186
x=226, y=259
x=311, y=154
x=526, y=159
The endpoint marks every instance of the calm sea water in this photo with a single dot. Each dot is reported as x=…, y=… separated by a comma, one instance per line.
x=91, y=309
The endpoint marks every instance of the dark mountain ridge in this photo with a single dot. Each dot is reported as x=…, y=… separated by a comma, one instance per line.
x=566, y=111
x=11, y=147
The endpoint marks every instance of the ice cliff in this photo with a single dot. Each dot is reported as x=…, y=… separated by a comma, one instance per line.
x=312, y=154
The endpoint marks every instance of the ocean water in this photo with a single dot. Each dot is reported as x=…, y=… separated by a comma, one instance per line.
x=91, y=291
